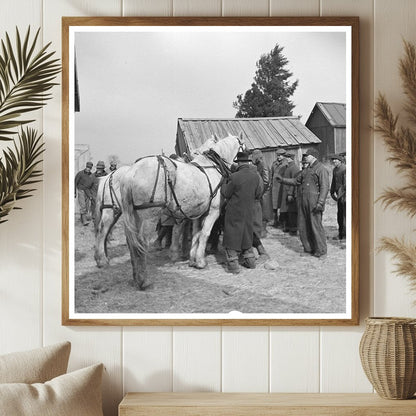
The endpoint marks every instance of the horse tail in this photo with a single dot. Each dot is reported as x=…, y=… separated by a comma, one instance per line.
x=99, y=199
x=133, y=224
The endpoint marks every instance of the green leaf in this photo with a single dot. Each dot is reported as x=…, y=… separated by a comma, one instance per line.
x=19, y=50
x=26, y=77
x=18, y=170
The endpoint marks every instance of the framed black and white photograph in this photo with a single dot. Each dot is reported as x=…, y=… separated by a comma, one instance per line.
x=210, y=171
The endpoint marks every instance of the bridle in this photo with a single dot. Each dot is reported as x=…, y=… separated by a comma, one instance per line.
x=242, y=146
x=222, y=166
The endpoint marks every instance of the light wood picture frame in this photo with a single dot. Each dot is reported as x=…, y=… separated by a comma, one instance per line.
x=137, y=87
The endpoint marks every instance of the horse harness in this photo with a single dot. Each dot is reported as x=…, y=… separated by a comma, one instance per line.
x=115, y=203
x=169, y=182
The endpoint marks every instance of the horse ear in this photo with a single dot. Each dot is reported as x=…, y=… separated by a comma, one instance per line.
x=216, y=138
x=241, y=137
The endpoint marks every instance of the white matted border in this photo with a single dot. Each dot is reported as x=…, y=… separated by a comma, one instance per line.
x=72, y=315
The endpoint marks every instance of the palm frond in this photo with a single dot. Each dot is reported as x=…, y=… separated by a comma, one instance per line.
x=25, y=79
x=19, y=169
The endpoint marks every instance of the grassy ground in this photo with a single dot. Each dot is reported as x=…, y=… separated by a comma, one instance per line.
x=296, y=285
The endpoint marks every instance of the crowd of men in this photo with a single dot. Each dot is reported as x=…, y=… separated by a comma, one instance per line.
x=298, y=198
x=86, y=188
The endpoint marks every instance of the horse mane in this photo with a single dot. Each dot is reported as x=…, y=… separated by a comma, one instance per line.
x=220, y=163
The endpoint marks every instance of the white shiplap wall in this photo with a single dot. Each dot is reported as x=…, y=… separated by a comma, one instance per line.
x=260, y=359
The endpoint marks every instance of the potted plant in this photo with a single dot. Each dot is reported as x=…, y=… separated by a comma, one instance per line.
x=388, y=345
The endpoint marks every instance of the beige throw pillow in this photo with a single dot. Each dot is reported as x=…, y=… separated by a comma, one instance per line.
x=35, y=366
x=73, y=394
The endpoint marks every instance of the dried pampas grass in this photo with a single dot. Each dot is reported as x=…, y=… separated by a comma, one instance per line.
x=401, y=143
x=405, y=254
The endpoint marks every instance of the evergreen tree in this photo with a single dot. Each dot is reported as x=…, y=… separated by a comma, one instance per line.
x=270, y=92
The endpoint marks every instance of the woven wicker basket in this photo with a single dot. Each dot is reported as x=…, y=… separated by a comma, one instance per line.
x=388, y=356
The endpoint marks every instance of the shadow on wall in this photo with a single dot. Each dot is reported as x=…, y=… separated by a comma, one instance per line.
x=112, y=393
x=161, y=381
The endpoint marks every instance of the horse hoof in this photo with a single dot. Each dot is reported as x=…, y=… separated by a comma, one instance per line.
x=201, y=264
x=192, y=263
x=141, y=287
x=174, y=256
x=144, y=285
x=147, y=286
x=102, y=263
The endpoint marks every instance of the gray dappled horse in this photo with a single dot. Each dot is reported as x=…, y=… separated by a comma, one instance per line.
x=108, y=208
x=187, y=190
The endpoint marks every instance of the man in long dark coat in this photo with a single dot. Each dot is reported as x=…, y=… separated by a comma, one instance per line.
x=264, y=172
x=338, y=193
x=242, y=189
x=259, y=222
x=313, y=183
x=289, y=194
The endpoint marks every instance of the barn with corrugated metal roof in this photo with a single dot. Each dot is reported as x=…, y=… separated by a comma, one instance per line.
x=328, y=122
x=265, y=133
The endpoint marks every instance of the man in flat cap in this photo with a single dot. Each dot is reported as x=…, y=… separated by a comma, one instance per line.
x=338, y=192
x=243, y=187
x=289, y=204
x=313, y=184
x=278, y=167
x=263, y=171
x=84, y=183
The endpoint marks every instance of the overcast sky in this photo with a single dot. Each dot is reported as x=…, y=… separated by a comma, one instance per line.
x=134, y=86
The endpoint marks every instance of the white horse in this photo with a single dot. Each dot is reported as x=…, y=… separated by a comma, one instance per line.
x=108, y=208
x=187, y=190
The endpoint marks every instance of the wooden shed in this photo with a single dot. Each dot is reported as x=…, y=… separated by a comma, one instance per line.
x=327, y=121
x=264, y=133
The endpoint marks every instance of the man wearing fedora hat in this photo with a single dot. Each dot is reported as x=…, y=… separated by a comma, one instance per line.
x=243, y=187
x=84, y=183
x=289, y=205
x=99, y=172
x=100, y=169
x=338, y=192
x=313, y=184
